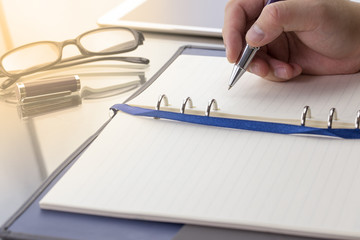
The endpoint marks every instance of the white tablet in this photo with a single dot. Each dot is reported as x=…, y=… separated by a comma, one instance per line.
x=194, y=17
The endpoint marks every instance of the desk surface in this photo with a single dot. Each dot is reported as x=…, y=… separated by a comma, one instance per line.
x=32, y=148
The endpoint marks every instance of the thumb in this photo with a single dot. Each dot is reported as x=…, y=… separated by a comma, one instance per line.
x=279, y=17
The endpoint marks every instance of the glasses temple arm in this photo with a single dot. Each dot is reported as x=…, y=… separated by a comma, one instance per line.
x=125, y=45
x=138, y=60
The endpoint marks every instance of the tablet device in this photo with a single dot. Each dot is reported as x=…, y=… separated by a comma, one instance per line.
x=194, y=17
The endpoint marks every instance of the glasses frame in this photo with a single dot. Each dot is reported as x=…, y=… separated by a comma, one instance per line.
x=139, y=39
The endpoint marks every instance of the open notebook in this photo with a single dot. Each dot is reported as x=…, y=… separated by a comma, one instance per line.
x=158, y=169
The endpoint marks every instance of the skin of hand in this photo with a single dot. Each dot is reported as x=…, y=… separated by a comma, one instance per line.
x=316, y=37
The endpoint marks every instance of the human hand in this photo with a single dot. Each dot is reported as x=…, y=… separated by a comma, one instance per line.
x=317, y=37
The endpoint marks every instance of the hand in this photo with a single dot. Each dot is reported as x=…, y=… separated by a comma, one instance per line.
x=317, y=37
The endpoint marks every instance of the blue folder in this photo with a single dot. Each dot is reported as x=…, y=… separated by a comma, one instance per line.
x=31, y=222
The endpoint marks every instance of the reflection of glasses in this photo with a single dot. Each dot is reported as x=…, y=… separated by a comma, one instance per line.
x=45, y=55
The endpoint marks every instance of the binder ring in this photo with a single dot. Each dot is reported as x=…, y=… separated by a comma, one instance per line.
x=305, y=114
x=213, y=103
x=112, y=112
x=185, y=101
x=332, y=116
x=357, y=120
x=161, y=98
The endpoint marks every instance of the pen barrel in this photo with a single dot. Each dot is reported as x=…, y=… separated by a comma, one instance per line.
x=272, y=1
x=48, y=87
x=247, y=56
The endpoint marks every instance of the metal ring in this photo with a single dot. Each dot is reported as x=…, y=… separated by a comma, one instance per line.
x=305, y=114
x=332, y=116
x=185, y=101
x=213, y=103
x=161, y=98
x=112, y=112
x=357, y=120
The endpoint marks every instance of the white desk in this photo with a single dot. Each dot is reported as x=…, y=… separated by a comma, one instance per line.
x=31, y=149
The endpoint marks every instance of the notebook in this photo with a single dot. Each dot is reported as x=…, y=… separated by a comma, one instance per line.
x=147, y=166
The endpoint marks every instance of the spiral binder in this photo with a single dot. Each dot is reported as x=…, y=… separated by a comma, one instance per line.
x=213, y=103
x=161, y=98
x=306, y=113
x=186, y=101
x=233, y=121
x=357, y=120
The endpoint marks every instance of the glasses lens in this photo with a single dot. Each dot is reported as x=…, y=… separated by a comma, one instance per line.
x=30, y=57
x=109, y=41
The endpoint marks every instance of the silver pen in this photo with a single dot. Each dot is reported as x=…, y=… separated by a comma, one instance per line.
x=240, y=68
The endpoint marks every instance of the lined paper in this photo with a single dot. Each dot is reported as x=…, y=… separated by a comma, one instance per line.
x=163, y=170
x=169, y=171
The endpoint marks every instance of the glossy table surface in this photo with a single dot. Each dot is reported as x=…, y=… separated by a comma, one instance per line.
x=33, y=147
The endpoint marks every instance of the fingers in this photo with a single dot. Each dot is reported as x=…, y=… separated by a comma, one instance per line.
x=274, y=19
x=233, y=30
x=238, y=15
x=315, y=34
x=273, y=69
x=283, y=16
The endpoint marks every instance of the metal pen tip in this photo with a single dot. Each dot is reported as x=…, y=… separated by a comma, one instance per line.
x=236, y=75
x=240, y=68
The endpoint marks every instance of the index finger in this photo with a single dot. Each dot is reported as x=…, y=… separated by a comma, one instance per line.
x=238, y=15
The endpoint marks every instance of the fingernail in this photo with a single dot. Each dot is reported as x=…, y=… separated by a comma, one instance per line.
x=255, y=34
x=281, y=73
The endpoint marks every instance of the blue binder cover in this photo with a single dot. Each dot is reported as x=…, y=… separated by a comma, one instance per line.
x=30, y=222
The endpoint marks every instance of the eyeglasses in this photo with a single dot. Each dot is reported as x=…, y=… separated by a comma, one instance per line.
x=46, y=55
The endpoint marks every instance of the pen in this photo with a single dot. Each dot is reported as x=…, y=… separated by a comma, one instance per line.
x=245, y=59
